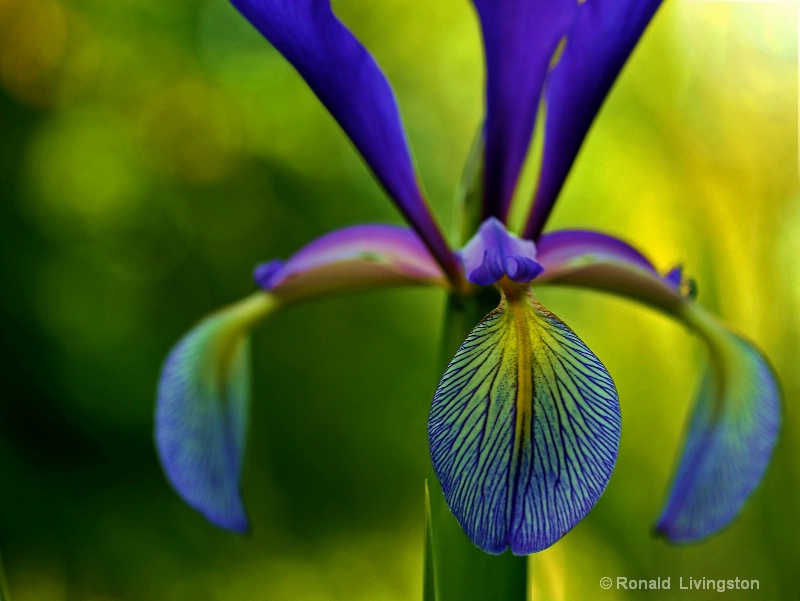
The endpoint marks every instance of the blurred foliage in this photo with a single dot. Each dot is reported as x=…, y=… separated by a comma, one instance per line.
x=153, y=152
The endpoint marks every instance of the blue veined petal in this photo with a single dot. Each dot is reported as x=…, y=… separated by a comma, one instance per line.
x=599, y=42
x=519, y=38
x=524, y=428
x=202, y=410
x=348, y=81
x=731, y=437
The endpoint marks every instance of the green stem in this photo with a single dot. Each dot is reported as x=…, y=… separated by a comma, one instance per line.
x=462, y=572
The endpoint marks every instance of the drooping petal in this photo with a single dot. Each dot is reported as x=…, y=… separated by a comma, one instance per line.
x=203, y=395
x=352, y=87
x=599, y=42
x=202, y=410
x=731, y=436
x=566, y=247
x=524, y=428
x=519, y=37
x=594, y=260
x=359, y=256
x=494, y=253
x=737, y=412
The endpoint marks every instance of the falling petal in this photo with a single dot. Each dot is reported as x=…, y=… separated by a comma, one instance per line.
x=599, y=42
x=730, y=440
x=594, y=260
x=202, y=410
x=355, y=257
x=524, y=428
x=569, y=247
x=736, y=417
x=348, y=81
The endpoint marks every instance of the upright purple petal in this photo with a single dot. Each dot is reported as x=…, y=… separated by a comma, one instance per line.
x=598, y=44
x=520, y=37
x=352, y=87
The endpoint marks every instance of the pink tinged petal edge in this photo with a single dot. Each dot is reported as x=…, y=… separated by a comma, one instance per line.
x=564, y=247
x=520, y=37
x=736, y=418
x=494, y=253
x=348, y=81
x=598, y=44
x=359, y=256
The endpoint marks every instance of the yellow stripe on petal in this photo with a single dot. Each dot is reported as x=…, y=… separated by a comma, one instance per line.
x=524, y=428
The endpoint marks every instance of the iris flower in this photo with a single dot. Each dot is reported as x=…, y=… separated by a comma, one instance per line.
x=524, y=426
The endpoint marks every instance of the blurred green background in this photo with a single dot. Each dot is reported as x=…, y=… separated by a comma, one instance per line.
x=153, y=152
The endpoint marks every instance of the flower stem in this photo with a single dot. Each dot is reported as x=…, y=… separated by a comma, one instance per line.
x=461, y=571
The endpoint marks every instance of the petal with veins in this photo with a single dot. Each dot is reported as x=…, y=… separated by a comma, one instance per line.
x=524, y=428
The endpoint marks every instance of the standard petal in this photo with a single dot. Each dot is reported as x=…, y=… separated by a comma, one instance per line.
x=494, y=253
x=355, y=257
x=735, y=422
x=598, y=44
x=202, y=410
x=730, y=440
x=524, y=428
x=352, y=87
x=519, y=37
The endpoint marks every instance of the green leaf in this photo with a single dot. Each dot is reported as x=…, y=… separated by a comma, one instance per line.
x=428, y=576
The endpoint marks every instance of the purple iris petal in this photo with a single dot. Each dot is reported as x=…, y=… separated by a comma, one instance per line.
x=493, y=253
x=562, y=247
x=520, y=37
x=736, y=417
x=598, y=44
x=202, y=411
x=264, y=274
x=731, y=437
x=359, y=256
x=352, y=87
x=674, y=277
